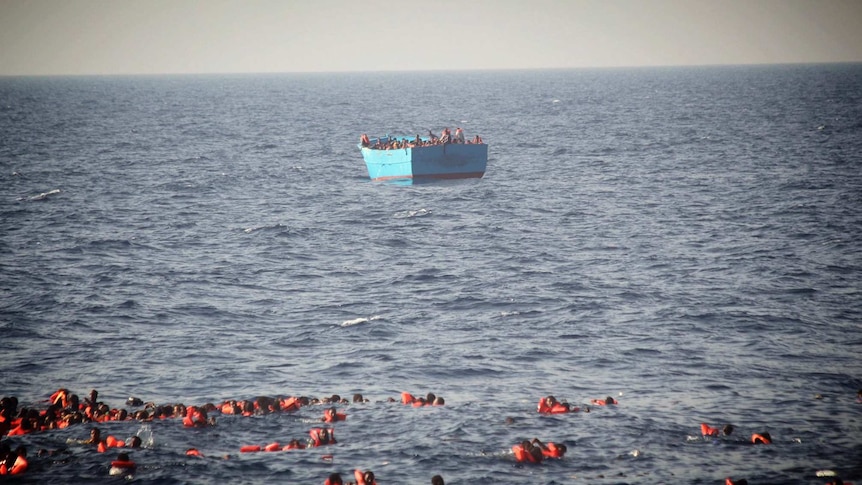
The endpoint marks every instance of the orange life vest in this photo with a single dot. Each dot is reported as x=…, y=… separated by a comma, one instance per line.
x=553, y=451
x=60, y=397
x=559, y=408
x=360, y=478
x=523, y=455
x=290, y=404
x=293, y=445
x=543, y=406
x=757, y=438
x=194, y=417
x=706, y=430
x=331, y=416
x=19, y=467
x=112, y=442
x=123, y=464
x=322, y=436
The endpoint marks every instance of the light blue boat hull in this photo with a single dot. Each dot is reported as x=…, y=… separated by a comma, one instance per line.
x=440, y=162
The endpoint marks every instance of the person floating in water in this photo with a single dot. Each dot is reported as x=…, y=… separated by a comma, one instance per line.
x=527, y=452
x=550, y=449
x=332, y=415
x=13, y=462
x=321, y=436
x=123, y=465
x=550, y=405
x=604, y=402
x=364, y=477
x=707, y=430
x=334, y=479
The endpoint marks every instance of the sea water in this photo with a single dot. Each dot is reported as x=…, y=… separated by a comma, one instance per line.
x=686, y=240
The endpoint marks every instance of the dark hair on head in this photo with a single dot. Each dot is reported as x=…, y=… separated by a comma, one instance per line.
x=123, y=457
x=369, y=477
x=335, y=479
x=437, y=480
x=609, y=400
x=727, y=429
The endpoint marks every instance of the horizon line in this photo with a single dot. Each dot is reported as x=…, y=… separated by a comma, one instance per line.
x=450, y=70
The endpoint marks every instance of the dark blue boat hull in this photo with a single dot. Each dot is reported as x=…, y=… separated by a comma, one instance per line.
x=444, y=161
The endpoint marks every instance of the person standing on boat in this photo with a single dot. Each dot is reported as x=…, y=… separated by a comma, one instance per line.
x=459, y=135
x=446, y=136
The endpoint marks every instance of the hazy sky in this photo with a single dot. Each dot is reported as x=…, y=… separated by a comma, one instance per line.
x=215, y=36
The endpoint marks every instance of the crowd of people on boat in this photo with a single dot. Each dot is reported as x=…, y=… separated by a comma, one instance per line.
x=64, y=409
x=394, y=143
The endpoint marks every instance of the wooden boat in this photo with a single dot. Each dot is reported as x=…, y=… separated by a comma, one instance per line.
x=422, y=161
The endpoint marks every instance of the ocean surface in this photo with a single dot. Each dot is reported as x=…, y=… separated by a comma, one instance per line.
x=686, y=240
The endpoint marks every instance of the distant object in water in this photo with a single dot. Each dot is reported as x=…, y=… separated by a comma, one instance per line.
x=355, y=321
x=42, y=196
x=424, y=158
